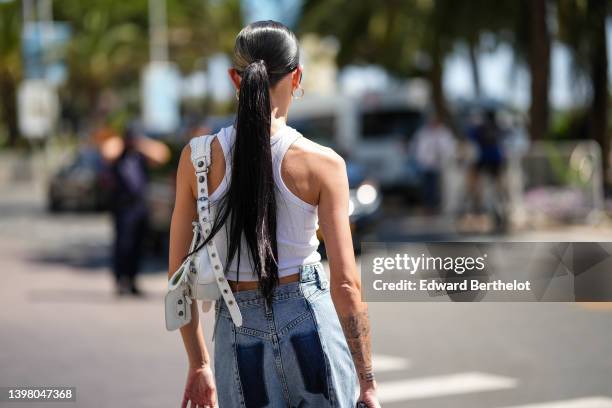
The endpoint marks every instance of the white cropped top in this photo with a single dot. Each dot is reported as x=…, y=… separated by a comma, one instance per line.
x=296, y=220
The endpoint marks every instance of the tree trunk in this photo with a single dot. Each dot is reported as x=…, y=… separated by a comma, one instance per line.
x=475, y=68
x=8, y=96
x=539, y=67
x=437, y=89
x=597, y=10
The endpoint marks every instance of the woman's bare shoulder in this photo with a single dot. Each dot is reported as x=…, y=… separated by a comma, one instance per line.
x=322, y=160
x=315, y=152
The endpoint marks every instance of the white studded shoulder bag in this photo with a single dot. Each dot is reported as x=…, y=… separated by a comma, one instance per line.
x=201, y=275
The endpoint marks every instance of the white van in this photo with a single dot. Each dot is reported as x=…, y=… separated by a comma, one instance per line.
x=327, y=120
x=373, y=131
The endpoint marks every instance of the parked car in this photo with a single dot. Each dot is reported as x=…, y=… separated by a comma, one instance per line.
x=82, y=185
x=365, y=201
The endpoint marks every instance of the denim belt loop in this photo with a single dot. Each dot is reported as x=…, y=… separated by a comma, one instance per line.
x=217, y=312
x=322, y=282
x=305, y=271
x=267, y=307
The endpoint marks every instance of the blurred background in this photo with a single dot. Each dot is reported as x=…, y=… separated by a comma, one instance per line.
x=458, y=120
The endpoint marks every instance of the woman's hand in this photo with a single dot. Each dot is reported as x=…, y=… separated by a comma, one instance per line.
x=200, y=388
x=368, y=397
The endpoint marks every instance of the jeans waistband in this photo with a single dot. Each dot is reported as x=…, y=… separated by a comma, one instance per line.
x=313, y=272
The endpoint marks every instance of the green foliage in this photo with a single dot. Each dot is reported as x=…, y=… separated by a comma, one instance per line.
x=110, y=38
x=565, y=173
x=200, y=28
x=396, y=33
x=570, y=124
x=10, y=42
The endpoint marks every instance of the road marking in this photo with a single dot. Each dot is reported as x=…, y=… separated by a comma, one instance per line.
x=591, y=402
x=428, y=387
x=381, y=363
x=606, y=306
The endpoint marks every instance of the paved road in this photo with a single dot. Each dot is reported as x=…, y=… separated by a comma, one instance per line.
x=62, y=325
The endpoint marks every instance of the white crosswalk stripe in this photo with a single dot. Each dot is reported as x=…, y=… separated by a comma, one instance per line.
x=438, y=386
x=590, y=402
x=382, y=363
x=395, y=391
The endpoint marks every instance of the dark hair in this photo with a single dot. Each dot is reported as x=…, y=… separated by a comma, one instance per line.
x=264, y=52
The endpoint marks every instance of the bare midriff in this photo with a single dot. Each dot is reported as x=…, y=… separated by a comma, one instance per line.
x=252, y=285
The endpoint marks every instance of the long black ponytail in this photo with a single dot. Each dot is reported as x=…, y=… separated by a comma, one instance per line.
x=264, y=52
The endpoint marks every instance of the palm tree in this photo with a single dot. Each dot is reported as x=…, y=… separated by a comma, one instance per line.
x=538, y=56
x=407, y=38
x=582, y=27
x=10, y=67
x=107, y=49
x=393, y=33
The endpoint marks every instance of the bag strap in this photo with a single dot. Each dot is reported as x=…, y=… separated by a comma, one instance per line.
x=201, y=159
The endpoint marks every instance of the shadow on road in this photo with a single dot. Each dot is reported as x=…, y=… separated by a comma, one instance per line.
x=86, y=296
x=89, y=258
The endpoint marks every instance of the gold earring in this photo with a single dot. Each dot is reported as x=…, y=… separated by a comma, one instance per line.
x=301, y=93
x=237, y=94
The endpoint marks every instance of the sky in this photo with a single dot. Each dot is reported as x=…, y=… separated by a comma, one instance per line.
x=502, y=79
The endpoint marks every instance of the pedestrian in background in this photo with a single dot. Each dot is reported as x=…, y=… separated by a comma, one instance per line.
x=130, y=158
x=487, y=136
x=434, y=145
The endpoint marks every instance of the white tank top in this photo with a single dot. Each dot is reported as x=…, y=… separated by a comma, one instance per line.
x=296, y=220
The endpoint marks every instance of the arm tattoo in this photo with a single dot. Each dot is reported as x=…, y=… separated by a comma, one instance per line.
x=356, y=329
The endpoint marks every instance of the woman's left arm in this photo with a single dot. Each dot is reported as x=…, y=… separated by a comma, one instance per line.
x=345, y=281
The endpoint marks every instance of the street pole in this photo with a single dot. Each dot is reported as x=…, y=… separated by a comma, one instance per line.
x=160, y=77
x=45, y=26
x=28, y=11
x=158, y=31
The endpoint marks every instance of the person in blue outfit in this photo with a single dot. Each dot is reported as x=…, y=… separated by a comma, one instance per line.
x=130, y=159
x=487, y=136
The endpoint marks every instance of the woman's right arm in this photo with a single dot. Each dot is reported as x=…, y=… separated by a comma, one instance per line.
x=200, y=385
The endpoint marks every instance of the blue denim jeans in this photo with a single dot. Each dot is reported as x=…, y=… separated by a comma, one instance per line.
x=290, y=354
